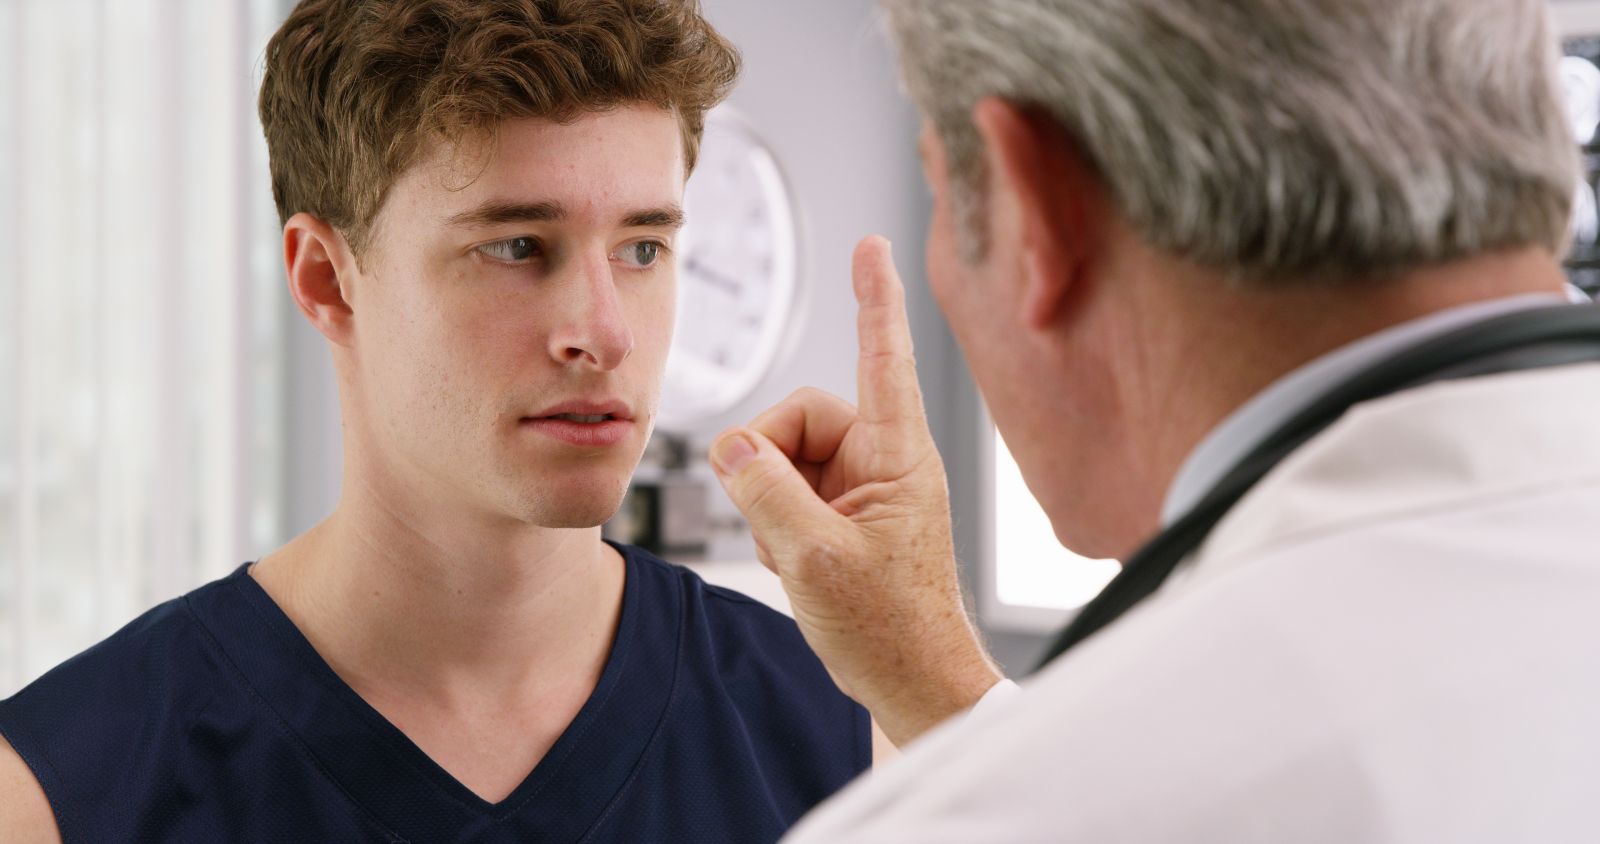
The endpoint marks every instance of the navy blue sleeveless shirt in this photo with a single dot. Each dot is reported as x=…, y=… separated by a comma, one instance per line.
x=211, y=718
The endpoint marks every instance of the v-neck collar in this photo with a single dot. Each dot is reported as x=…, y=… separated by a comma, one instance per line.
x=389, y=778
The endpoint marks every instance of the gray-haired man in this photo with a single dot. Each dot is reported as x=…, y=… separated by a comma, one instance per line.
x=1165, y=230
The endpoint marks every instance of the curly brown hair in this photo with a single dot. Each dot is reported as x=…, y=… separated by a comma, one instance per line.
x=355, y=90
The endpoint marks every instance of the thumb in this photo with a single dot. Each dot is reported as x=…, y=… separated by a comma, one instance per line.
x=764, y=484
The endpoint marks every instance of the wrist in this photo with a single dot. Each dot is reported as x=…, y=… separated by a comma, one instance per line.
x=911, y=709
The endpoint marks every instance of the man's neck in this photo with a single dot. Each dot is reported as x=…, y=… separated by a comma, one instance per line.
x=479, y=641
x=453, y=613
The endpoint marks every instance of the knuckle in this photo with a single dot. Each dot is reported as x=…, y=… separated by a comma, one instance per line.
x=804, y=394
x=820, y=558
x=762, y=486
x=758, y=498
x=812, y=397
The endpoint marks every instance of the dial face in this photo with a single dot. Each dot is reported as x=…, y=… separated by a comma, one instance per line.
x=737, y=275
x=1580, y=83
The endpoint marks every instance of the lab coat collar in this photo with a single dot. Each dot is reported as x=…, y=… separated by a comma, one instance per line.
x=1236, y=436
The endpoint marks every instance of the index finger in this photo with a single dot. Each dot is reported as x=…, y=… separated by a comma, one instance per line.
x=886, y=376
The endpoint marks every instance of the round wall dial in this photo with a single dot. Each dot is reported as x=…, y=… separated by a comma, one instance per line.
x=738, y=275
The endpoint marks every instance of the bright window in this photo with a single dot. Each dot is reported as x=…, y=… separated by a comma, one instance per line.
x=1034, y=582
x=140, y=314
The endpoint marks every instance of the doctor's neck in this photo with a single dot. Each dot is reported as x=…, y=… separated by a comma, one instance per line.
x=1195, y=346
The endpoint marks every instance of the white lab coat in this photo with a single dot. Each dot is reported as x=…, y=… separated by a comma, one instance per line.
x=1395, y=637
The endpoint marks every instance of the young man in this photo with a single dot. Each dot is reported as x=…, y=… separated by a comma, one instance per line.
x=480, y=199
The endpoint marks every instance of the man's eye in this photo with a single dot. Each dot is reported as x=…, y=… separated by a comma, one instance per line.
x=517, y=250
x=641, y=254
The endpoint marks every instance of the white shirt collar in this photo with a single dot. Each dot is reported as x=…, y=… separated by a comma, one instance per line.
x=1229, y=442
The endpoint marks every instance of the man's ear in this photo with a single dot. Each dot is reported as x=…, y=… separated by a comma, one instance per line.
x=321, y=267
x=1058, y=198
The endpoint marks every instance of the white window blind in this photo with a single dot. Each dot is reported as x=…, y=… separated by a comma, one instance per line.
x=140, y=314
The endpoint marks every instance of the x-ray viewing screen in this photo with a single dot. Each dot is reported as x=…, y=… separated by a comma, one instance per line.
x=1032, y=569
x=1580, y=79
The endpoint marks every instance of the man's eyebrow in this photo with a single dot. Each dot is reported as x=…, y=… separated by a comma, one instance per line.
x=669, y=217
x=495, y=212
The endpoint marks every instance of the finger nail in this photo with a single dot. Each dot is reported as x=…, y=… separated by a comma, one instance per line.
x=733, y=453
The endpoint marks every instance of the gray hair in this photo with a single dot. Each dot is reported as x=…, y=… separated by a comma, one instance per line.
x=1273, y=139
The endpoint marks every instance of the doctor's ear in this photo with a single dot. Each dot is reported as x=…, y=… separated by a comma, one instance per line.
x=321, y=266
x=1044, y=187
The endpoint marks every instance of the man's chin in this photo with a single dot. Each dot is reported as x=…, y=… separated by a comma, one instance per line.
x=574, y=520
x=572, y=509
x=556, y=495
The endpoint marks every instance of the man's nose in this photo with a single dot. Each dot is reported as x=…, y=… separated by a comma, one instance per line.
x=594, y=331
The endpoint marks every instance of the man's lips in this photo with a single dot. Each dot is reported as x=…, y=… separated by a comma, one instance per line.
x=586, y=410
x=586, y=424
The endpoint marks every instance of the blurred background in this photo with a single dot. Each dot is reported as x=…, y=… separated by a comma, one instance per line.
x=166, y=415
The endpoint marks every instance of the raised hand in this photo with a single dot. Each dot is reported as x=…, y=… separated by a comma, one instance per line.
x=849, y=506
